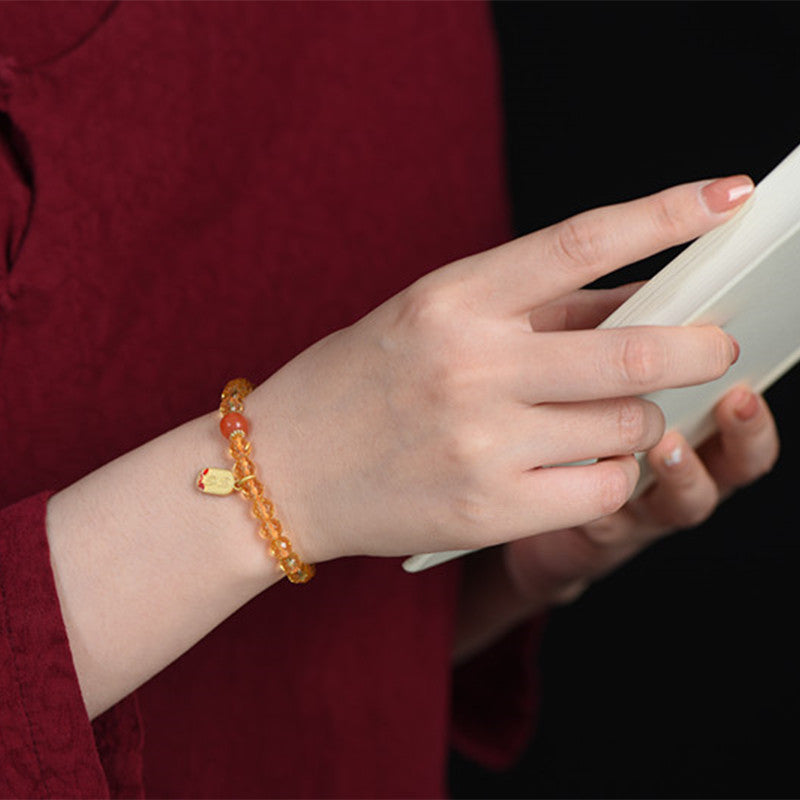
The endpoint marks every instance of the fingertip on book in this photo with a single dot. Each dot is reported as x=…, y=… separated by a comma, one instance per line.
x=725, y=194
x=745, y=404
x=737, y=350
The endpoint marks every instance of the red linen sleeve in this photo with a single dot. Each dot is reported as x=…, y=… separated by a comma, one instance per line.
x=48, y=746
x=496, y=698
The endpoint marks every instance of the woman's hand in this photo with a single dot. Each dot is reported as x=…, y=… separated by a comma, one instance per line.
x=505, y=585
x=425, y=425
x=557, y=566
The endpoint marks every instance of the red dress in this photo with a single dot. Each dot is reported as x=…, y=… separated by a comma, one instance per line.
x=175, y=177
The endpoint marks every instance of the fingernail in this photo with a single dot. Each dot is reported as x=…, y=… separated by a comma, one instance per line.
x=736, y=349
x=747, y=406
x=674, y=457
x=726, y=193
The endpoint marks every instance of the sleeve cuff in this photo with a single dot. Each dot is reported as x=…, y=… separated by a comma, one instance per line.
x=496, y=698
x=49, y=747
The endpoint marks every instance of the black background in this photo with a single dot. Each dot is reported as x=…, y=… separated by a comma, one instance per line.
x=677, y=676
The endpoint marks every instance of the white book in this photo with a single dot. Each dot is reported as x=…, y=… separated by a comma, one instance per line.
x=743, y=276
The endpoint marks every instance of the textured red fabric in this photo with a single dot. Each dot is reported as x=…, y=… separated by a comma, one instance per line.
x=176, y=179
x=496, y=697
x=47, y=745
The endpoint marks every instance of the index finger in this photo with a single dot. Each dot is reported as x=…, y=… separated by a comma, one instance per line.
x=543, y=266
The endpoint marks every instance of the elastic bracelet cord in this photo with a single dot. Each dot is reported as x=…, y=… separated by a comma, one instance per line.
x=242, y=479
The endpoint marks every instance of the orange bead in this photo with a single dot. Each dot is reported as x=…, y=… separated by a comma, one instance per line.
x=232, y=422
x=302, y=575
x=290, y=563
x=262, y=509
x=280, y=548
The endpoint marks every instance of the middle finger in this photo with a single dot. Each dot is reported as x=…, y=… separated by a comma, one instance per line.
x=620, y=362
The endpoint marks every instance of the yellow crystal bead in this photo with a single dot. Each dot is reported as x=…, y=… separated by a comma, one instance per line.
x=302, y=575
x=280, y=548
x=263, y=509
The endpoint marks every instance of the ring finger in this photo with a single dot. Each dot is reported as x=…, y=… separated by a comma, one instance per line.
x=683, y=496
x=559, y=433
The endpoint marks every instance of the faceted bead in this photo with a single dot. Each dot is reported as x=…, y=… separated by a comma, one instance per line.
x=290, y=563
x=240, y=387
x=239, y=448
x=232, y=422
x=303, y=574
x=251, y=488
x=263, y=509
x=244, y=466
x=233, y=403
x=280, y=547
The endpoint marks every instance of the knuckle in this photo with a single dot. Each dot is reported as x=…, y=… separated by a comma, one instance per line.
x=468, y=448
x=632, y=425
x=426, y=307
x=669, y=215
x=642, y=360
x=580, y=241
x=435, y=345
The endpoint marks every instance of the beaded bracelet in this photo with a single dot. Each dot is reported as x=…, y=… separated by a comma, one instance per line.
x=242, y=479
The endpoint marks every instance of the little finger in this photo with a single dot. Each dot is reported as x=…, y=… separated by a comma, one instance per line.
x=563, y=497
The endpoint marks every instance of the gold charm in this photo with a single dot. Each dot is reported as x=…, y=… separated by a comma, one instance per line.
x=213, y=480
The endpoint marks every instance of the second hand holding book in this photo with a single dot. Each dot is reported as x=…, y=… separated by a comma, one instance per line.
x=743, y=276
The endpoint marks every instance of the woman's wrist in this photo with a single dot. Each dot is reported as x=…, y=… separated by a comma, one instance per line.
x=225, y=523
x=279, y=452
x=243, y=479
x=146, y=565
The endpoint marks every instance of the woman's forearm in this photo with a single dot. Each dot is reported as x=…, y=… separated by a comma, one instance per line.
x=146, y=565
